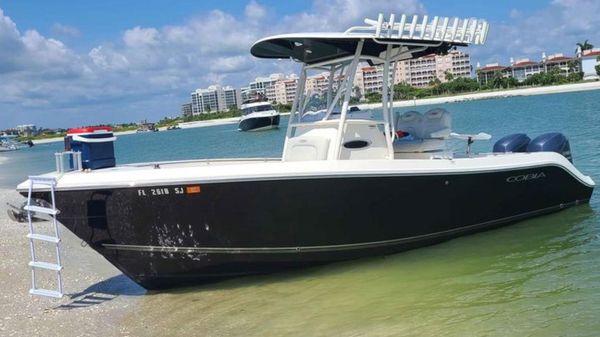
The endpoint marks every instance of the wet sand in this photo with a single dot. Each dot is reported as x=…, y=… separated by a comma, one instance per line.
x=97, y=299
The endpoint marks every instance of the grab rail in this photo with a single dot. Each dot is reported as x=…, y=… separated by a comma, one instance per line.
x=75, y=161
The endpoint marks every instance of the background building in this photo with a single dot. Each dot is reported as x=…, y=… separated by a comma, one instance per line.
x=369, y=79
x=565, y=65
x=487, y=73
x=422, y=71
x=588, y=60
x=522, y=69
x=186, y=109
x=214, y=98
x=27, y=130
x=266, y=85
x=285, y=90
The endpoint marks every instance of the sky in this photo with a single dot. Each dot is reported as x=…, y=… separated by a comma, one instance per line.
x=73, y=63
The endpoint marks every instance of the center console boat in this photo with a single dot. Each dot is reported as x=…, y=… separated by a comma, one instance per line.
x=348, y=184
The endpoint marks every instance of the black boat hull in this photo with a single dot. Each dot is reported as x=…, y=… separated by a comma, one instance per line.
x=259, y=123
x=169, y=236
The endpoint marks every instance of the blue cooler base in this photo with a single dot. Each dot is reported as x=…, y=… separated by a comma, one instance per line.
x=96, y=153
x=98, y=163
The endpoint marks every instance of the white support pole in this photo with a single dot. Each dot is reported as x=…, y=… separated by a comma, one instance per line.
x=392, y=115
x=348, y=93
x=386, y=100
x=339, y=93
x=401, y=26
x=391, y=23
x=330, y=84
x=295, y=107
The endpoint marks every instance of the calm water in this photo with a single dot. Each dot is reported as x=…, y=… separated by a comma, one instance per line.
x=537, y=278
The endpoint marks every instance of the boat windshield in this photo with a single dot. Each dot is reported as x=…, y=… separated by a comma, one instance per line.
x=257, y=108
x=316, y=104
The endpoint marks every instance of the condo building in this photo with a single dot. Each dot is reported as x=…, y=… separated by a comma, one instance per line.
x=285, y=90
x=523, y=68
x=487, y=73
x=186, y=109
x=214, y=98
x=422, y=71
x=266, y=85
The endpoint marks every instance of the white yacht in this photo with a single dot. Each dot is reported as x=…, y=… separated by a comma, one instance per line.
x=258, y=115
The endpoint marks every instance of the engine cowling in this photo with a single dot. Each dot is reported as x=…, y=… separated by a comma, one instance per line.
x=551, y=142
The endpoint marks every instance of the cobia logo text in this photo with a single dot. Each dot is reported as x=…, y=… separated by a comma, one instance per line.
x=525, y=177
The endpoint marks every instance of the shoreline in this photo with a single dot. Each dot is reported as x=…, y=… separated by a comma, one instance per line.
x=210, y=122
x=506, y=93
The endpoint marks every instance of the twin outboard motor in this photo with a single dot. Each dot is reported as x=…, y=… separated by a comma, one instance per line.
x=516, y=142
x=551, y=142
x=548, y=142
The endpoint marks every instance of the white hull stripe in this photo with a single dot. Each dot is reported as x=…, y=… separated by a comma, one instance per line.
x=333, y=248
x=321, y=175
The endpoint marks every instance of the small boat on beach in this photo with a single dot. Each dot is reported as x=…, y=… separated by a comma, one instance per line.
x=349, y=184
x=9, y=143
x=146, y=127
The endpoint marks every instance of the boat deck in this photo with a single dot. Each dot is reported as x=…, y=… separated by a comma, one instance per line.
x=252, y=169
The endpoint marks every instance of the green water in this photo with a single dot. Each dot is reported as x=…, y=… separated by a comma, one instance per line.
x=536, y=278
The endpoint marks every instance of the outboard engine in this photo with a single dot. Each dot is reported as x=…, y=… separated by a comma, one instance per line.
x=551, y=142
x=517, y=142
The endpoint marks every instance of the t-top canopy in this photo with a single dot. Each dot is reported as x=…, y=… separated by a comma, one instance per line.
x=414, y=39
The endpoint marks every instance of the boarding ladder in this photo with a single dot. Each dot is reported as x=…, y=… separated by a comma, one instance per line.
x=33, y=238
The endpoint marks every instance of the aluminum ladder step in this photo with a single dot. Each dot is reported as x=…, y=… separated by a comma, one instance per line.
x=39, y=209
x=43, y=237
x=43, y=180
x=34, y=237
x=45, y=265
x=46, y=292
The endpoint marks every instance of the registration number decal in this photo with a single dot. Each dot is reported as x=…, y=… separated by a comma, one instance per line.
x=160, y=191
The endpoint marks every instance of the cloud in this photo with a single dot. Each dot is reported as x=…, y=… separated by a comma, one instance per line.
x=554, y=29
x=338, y=15
x=254, y=11
x=63, y=31
x=30, y=51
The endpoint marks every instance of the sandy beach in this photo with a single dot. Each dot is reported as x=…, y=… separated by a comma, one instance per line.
x=211, y=122
x=98, y=295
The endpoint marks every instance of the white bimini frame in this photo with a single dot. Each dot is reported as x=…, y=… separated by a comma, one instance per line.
x=378, y=43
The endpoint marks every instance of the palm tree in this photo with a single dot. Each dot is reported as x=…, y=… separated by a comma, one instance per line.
x=584, y=46
x=448, y=76
x=573, y=66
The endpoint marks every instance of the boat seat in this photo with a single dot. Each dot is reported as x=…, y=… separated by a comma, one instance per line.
x=425, y=133
x=410, y=122
x=436, y=124
x=305, y=148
